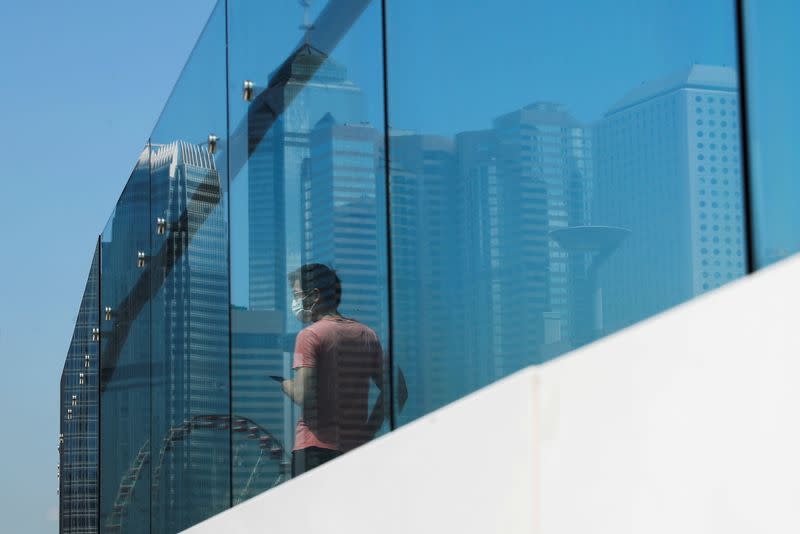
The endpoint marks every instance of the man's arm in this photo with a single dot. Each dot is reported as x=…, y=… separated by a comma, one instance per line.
x=378, y=414
x=302, y=388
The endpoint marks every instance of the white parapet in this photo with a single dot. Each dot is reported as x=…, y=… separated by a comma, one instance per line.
x=686, y=423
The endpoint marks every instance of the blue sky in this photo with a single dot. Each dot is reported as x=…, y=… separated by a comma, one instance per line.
x=82, y=85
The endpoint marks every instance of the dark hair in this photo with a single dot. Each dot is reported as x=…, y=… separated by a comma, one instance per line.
x=322, y=278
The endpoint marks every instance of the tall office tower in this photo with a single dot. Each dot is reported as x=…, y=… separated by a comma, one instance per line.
x=190, y=348
x=344, y=222
x=300, y=92
x=125, y=349
x=78, y=417
x=668, y=170
x=479, y=212
x=427, y=270
x=263, y=427
x=543, y=174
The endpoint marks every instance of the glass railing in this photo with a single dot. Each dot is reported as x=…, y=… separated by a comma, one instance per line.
x=351, y=213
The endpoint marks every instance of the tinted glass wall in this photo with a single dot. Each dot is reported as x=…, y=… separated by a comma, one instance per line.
x=773, y=75
x=307, y=188
x=77, y=441
x=189, y=342
x=485, y=204
x=551, y=186
x=125, y=366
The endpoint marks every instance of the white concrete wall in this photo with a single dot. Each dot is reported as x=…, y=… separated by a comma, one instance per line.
x=686, y=423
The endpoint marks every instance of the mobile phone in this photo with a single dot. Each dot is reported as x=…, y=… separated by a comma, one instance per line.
x=277, y=378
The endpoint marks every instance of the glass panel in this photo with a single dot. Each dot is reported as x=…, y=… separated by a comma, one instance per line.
x=125, y=359
x=307, y=187
x=77, y=444
x=559, y=183
x=190, y=433
x=773, y=75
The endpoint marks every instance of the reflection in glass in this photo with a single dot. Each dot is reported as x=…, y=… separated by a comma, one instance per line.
x=773, y=111
x=77, y=444
x=522, y=231
x=307, y=188
x=191, y=428
x=536, y=205
x=687, y=234
x=125, y=360
x=189, y=338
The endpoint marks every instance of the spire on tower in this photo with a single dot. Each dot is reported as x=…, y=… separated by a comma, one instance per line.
x=307, y=26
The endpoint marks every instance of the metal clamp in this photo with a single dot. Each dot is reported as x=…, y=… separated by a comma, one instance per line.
x=248, y=88
x=140, y=257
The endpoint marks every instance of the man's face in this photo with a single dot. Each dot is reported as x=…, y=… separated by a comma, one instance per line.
x=307, y=298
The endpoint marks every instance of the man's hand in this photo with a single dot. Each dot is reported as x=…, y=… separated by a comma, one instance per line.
x=288, y=387
x=302, y=389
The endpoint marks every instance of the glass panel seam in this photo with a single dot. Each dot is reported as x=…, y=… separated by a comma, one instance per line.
x=387, y=193
x=744, y=137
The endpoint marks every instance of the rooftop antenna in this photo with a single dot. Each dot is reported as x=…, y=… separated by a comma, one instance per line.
x=307, y=26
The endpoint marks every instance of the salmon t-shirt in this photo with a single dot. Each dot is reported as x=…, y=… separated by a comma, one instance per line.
x=347, y=356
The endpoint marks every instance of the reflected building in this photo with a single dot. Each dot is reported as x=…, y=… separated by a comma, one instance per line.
x=530, y=174
x=78, y=438
x=306, y=87
x=313, y=190
x=256, y=355
x=343, y=215
x=125, y=389
x=543, y=180
x=427, y=268
x=189, y=349
x=471, y=219
x=668, y=169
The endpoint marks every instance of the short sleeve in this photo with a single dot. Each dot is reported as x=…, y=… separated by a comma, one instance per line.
x=306, y=349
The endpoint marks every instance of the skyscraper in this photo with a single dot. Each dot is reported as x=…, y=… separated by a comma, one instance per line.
x=668, y=169
x=78, y=439
x=125, y=359
x=471, y=219
x=189, y=349
x=301, y=91
x=426, y=271
x=528, y=175
x=343, y=212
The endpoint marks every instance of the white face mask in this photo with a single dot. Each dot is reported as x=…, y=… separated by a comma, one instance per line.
x=297, y=309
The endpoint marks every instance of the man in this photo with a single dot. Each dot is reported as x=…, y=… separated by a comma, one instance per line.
x=335, y=360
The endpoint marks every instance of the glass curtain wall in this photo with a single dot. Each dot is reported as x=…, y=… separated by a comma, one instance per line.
x=554, y=177
x=773, y=75
x=125, y=367
x=77, y=443
x=189, y=341
x=544, y=189
x=165, y=458
x=309, y=304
